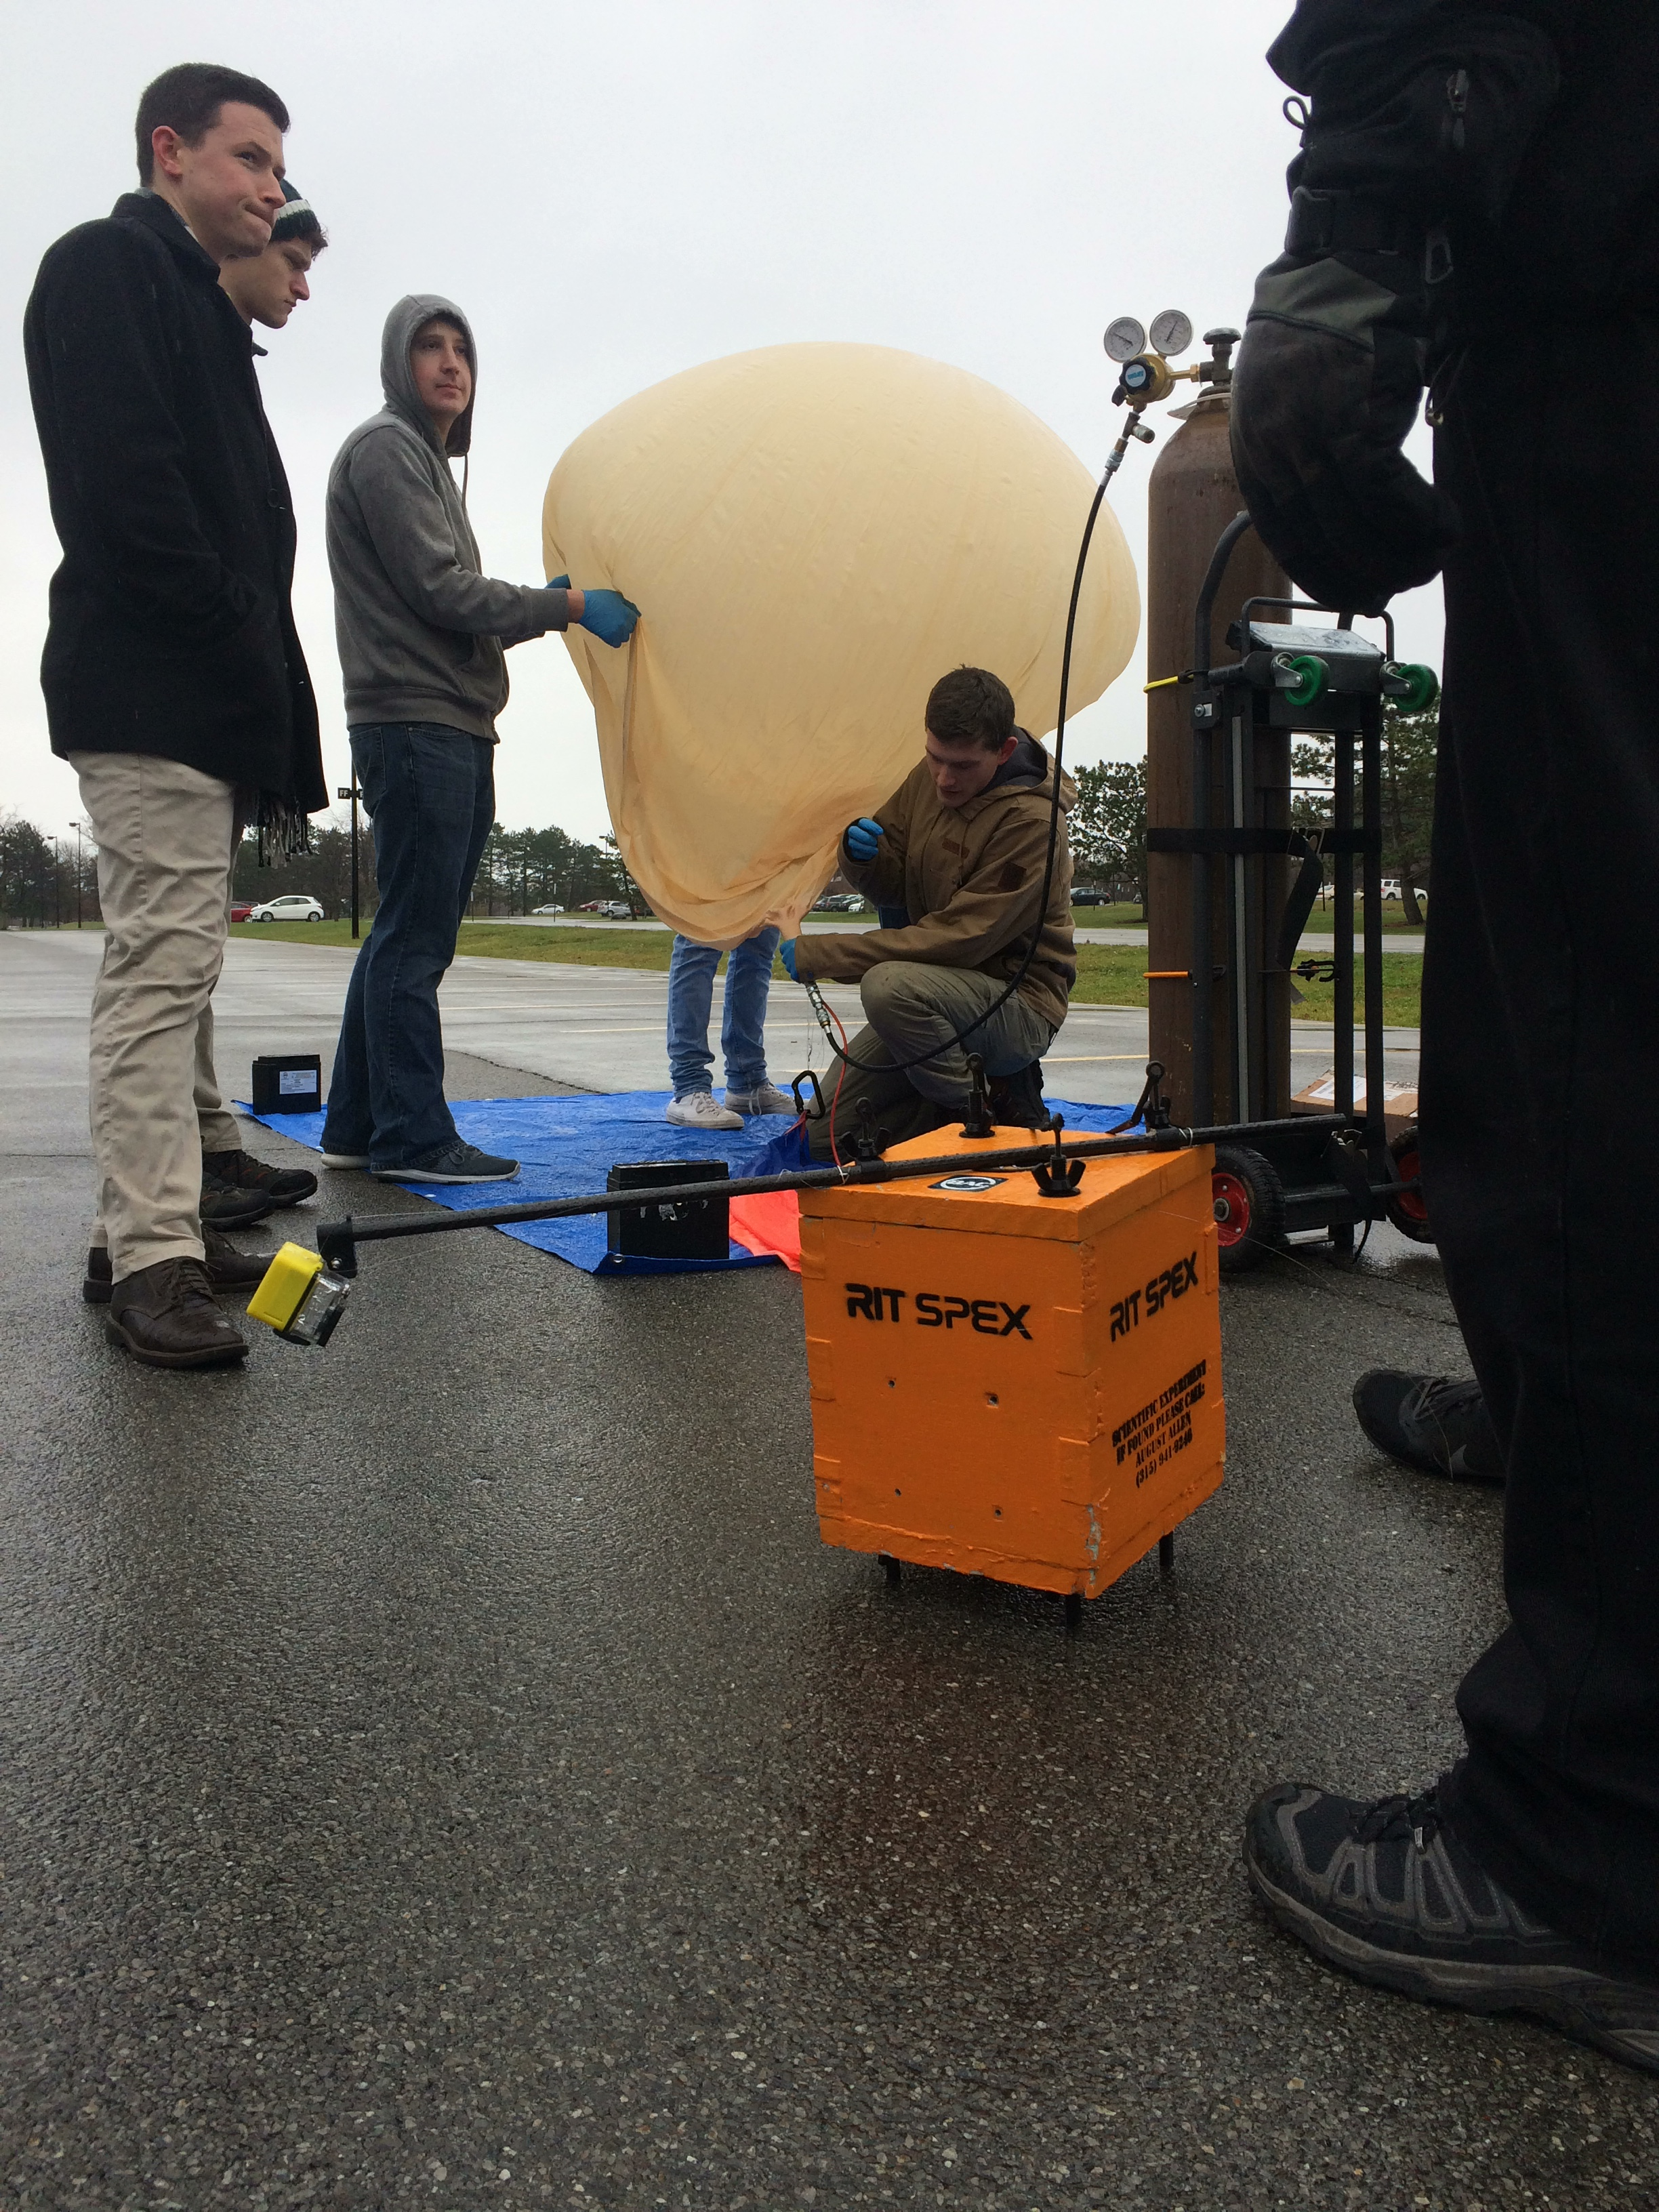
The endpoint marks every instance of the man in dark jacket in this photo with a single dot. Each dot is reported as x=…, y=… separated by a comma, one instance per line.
x=173, y=679
x=423, y=634
x=957, y=856
x=1478, y=201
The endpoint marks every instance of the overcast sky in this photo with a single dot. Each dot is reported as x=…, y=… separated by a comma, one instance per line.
x=616, y=193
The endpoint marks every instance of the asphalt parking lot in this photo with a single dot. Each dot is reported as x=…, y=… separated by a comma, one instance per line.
x=448, y=1770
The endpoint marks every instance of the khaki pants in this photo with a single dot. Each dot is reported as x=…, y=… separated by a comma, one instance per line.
x=166, y=838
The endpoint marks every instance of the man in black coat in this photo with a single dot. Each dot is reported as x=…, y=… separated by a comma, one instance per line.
x=174, y=677
x=1476, y=205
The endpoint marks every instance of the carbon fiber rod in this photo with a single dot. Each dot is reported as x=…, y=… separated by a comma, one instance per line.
x=336, y=1240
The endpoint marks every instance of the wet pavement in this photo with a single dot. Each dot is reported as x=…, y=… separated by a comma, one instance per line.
x=602, y=1028
x=447, y=1770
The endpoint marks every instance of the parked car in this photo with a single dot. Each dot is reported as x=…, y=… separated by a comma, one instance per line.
x=593, y=906
x=1089, y=898
x=292, y=906
x=547, y=910
x=241, y=911
x=618, y=910
x=1391, y=888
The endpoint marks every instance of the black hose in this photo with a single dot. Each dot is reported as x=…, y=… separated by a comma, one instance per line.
x=336, y=1239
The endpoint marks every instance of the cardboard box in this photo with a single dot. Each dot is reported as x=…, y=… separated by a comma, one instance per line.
x=1398, y=1101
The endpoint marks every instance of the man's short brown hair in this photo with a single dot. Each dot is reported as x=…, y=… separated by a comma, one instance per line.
x=971, y=707
x=188, y=98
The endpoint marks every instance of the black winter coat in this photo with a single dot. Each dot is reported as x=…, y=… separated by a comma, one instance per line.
x=1579, y=231
x=171, y=631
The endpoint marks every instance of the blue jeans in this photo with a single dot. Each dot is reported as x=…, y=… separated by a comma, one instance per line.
x=691, y=994
x=431, y=793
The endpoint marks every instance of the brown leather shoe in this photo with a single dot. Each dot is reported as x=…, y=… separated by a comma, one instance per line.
x=228, y=1269
x=164, y=1316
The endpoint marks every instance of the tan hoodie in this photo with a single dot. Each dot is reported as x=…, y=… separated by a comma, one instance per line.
x=969, y=878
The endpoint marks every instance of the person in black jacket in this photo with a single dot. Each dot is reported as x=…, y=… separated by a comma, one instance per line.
x=174, y=677
x=1476, y=205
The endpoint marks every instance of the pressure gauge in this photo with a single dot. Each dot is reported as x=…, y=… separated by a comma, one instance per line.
x=1172, y=333
x=1125, y=339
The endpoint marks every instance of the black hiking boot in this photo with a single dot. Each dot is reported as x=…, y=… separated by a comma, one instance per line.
x=226, y=1206
x=239, y=1171
x=1017, y=1099
x=1435, y=1422
x=1386, y=1891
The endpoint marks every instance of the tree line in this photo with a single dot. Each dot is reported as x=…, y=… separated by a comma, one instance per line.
x=520, y=870
x=1107, y=829
x=47, y=881
x=1108, y=822
x=1410, y=747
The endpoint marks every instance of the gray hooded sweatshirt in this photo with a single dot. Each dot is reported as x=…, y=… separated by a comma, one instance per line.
x=421, y=633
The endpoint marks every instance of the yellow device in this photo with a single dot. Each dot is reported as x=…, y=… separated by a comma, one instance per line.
x=298, y=1296
x=1011, y=1384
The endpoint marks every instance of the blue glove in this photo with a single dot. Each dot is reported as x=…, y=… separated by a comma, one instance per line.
x=558, y=583
x=786, y=954
x=610, y=616
x=863, y=837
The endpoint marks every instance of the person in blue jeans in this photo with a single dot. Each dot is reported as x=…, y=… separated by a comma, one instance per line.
x=430, y=794
x=743, y=1025
x=422, y=636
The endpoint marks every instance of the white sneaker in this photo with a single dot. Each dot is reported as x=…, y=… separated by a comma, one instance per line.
x=765, y=1098
x=698, y=1110
x=345, y=1159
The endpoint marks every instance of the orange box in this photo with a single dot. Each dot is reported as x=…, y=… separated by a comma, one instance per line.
x=1011, y=1385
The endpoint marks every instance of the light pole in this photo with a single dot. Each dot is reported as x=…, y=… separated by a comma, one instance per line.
x=350, y=791
x=77, y=875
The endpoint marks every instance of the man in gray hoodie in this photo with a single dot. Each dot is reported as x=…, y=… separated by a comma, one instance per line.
x=421, y=636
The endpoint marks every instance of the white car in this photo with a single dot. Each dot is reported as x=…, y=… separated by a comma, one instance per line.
x=293, y=906
x=547, y=910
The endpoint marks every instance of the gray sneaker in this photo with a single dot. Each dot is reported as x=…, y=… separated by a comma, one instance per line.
x=699, y=1110
x=456, y=1162
x=764, y=1098
x=1386, y=1891
x=1438, y=1423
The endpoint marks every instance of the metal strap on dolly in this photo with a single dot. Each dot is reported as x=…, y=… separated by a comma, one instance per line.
x=1287, y=677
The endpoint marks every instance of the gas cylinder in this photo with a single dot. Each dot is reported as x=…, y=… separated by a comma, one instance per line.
x=1193, y=495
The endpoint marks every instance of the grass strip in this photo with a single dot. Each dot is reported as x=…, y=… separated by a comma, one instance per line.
x=1107, y=975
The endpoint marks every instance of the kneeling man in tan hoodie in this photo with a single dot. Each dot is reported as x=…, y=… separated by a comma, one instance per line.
x=959, y=851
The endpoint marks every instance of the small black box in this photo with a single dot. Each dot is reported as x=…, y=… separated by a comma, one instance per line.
x=698, y=1229
x=287, y=1083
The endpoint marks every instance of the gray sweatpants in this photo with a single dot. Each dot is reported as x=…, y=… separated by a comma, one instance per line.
x=914, y=1011
x=166, y=839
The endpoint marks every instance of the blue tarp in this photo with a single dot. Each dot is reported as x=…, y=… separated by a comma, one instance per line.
x=568, y=1145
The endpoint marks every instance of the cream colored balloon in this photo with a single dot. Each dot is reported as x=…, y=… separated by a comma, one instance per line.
x=814, y=534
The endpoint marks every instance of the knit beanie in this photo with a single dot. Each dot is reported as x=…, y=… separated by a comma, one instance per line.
x=298, y=220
